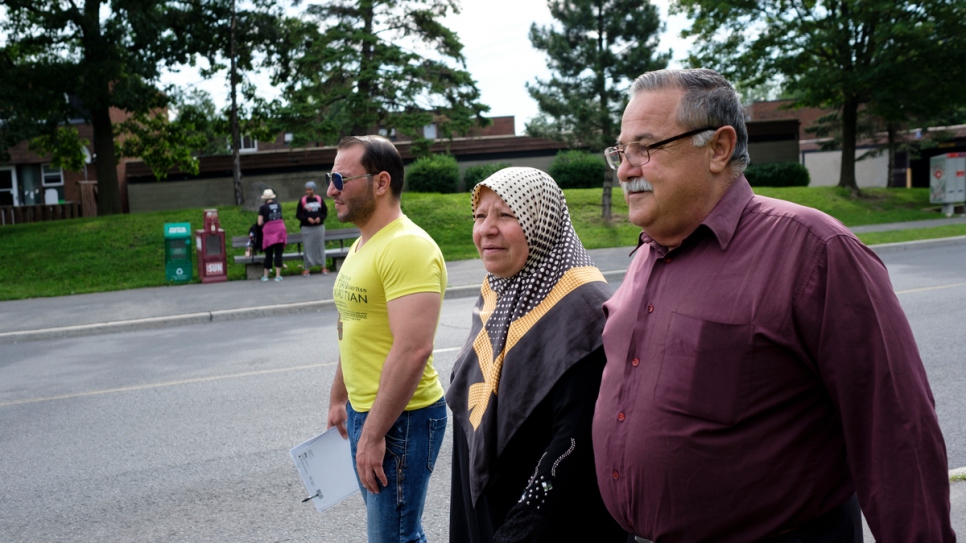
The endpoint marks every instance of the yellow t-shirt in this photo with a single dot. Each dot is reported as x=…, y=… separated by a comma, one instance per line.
x=401, y=259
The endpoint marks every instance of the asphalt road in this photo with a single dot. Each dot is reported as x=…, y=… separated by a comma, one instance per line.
x=183, y=433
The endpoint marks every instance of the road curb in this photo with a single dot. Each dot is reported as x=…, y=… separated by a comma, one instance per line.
x=220, y=315
x=81, y=330
x=920, y=244
x=224, y=315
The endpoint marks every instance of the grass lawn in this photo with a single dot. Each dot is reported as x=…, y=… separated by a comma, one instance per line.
x=127, y=251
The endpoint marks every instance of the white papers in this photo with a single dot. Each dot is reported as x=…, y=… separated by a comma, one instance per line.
x=325, y=465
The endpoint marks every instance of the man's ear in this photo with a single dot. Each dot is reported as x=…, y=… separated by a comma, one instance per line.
x=381, y=182
x=721, y=147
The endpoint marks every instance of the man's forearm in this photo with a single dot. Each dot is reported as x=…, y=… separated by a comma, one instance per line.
x=338, y=394
x=412, y=321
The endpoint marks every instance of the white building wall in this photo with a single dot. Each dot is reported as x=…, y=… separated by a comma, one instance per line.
x=824, y=168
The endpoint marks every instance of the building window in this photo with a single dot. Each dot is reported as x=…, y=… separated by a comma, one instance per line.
x=248, y=144
x=429, y=131
x=51, y=176
x=8, y=187
x=52, y=181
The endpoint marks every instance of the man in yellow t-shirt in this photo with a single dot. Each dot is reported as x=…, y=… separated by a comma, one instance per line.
x=386, y=397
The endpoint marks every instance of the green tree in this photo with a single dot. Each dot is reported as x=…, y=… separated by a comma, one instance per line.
x=243, y=36
x=360, y=66
x=65, y=146
x=596, y=49
x=163, y=144
x=927, y=92
x=106, y=54
x=884, y=56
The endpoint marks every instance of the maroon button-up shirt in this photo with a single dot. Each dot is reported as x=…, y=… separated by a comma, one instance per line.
x=756, y=377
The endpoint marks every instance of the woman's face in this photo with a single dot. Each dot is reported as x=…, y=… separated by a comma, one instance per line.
x=498, y=236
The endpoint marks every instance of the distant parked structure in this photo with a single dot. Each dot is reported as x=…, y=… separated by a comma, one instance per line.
x=824, y=165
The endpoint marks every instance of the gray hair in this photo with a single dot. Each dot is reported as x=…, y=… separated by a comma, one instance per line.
x=310, y=185
x=709, y=100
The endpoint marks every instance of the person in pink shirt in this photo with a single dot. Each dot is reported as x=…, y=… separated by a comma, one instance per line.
x=274, y=234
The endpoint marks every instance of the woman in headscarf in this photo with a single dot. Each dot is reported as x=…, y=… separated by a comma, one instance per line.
x=525, y=383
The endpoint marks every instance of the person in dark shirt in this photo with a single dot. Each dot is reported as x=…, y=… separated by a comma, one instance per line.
x=274, y=234
x=311, y=212
x=762, y=381
x=524, y=385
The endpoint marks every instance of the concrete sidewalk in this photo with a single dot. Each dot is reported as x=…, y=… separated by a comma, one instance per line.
x=175, y=305
x=86, y=314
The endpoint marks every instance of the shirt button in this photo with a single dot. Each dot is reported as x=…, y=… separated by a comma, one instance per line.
x=615, y=475
x=667, y=260
x=636, y=362
x=620, y=417
x=650, y=308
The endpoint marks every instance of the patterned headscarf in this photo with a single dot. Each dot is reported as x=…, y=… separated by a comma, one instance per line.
x=528, y=329
x=541, y=208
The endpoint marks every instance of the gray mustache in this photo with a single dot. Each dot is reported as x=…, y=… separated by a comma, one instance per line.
x=636, y=184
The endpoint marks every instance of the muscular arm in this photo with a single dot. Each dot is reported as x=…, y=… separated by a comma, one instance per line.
x=412, y=321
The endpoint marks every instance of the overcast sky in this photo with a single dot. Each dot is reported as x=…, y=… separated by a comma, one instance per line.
x=498, y=53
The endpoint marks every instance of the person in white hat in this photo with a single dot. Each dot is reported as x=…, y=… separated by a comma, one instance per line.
x=274, y=235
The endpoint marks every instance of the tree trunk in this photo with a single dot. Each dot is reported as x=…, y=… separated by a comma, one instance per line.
x=108, y=192
x=235, y=132
x=361, y=126
x=893, y=144
x=98, y=101
x=606, y=199
x=850, y=116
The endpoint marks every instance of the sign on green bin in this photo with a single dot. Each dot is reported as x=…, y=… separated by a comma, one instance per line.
x=177, y=251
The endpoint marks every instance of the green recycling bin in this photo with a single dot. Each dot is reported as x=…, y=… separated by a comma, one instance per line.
x=177, y=251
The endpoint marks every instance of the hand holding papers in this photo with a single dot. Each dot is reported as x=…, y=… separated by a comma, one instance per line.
x=325, y=465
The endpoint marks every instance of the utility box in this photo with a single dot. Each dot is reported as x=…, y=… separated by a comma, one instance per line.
x=210, y=243
x=947, y=183
x=177, y=251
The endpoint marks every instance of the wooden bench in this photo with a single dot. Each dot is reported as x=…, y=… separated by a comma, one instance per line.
x=254, y=264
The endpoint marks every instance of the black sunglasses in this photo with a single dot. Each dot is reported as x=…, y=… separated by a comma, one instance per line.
x=338, y=181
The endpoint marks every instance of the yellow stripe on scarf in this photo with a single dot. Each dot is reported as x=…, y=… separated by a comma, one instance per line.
x=490, y=367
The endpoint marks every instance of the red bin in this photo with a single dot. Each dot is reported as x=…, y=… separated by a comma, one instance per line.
x=210, y=243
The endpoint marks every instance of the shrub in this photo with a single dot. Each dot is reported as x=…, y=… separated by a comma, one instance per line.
x=434, y=173
x=578, y=170
x=778, y=174
x=475, y=174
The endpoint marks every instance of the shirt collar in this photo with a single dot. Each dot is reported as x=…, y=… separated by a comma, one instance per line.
x=723, y=219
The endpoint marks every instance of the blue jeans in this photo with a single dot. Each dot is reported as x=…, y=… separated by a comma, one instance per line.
x=394, y=515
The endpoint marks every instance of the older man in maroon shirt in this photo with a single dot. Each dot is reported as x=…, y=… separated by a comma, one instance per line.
x=762, y=381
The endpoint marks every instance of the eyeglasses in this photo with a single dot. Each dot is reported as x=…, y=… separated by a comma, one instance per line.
x=339, y=182
x=638, y=153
